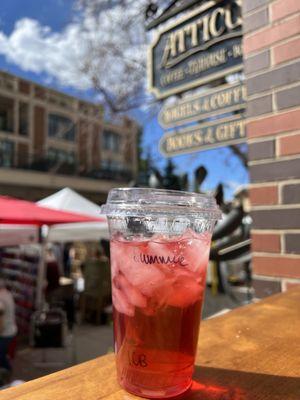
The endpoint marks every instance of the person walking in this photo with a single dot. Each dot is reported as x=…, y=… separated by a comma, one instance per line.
x=52, y=275
x=97, y=282
x=8, y=327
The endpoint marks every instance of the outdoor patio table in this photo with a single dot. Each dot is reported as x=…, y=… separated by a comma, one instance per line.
x=251, y=353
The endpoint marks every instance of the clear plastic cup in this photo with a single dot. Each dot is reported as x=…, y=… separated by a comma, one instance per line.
x=160, y=243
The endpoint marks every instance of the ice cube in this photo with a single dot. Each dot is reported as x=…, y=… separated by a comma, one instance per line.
x=114, y=267
x=116, y=254
x=145, y=277
x=189, y=250
x=120, y=302
x=196, y=253
x=149, y=269
x=185, y=291
x=133, y=295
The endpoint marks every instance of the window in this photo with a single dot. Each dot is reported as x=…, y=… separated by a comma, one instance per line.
x=105, y=164
x=6, y=114
x=111, y=141
x=6, y=153
x=116, y=166
x=57, y=156
x=23, y=118
x=60, y=127
x=112, y=165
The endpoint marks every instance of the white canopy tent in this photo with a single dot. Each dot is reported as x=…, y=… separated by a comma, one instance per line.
x=68, y=200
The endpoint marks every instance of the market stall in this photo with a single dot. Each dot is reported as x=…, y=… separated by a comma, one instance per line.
x=23, y=266
x=92, y=285
x=12, y=235
x=71, y=201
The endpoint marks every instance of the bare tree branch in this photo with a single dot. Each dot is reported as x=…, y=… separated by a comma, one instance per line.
x=243, y=156
x=115, y=62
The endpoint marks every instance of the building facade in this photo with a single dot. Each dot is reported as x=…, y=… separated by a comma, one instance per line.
x=49, y=140
x=183, y=56
x=272, y=72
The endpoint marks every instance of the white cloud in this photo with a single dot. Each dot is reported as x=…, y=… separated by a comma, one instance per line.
x=36, y=48
x=106, y=49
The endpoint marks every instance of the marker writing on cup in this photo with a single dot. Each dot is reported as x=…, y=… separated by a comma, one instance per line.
x=166, y=260
x=137, y=359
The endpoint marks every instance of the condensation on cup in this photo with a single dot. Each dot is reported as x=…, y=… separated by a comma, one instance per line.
x=160, y=243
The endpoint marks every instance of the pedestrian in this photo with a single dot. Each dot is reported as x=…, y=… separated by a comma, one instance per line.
x=97, y=282
x=52, y=276
x=69, y=254
x=8, y=327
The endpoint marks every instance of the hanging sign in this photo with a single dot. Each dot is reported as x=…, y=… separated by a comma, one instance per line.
x=204, y=136
x=202, y=46
x=224, y=99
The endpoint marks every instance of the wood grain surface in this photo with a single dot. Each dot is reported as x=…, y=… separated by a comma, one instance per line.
x=251, y=353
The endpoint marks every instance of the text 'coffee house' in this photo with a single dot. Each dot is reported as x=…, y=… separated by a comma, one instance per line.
x=228, y=72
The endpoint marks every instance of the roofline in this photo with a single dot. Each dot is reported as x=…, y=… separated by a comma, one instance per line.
x=167, y=14
x=51, y=89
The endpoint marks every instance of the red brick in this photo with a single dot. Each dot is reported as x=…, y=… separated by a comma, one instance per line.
x=291, y=194
x=83, y=138
x=23, y=152
x=280, y=266
x=39, y=92
x=289, y=145
x=265, y=242
x=264, y=195
x=283, y=8
x=24, y=87
x=265, y=287
x=287, y=51
x=39, y=134
x=285, y=122
x=96, y=146
x=280, y=218
x=271, y=35
x=274, y=78
x=291, y=285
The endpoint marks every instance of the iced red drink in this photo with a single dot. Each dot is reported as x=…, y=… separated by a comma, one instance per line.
x=158, y=283
x=158, y=288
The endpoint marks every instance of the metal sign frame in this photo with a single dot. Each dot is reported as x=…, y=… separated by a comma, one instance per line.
x=198, y=97
x=199, y=127
x=194, y=83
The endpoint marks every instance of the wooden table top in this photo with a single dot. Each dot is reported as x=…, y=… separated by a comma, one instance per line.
x=251, y=353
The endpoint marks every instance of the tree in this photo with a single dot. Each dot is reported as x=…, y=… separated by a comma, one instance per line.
x=116, y=57
x=115, y=61
x=240, y=153
x=199, y=176
x=170, y=179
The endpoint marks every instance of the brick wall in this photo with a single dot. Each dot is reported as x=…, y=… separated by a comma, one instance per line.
x=95, y=149
x=83, y=145
x=272, y=69
x=23, y=153
x=39, y=131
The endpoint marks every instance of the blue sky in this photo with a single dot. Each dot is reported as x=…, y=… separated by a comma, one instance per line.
x=29, y=27
x=56, y=13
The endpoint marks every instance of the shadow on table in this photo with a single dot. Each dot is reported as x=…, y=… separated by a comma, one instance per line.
x=222, y=384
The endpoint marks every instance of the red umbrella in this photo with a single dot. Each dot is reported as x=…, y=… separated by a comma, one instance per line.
x=14, y=211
